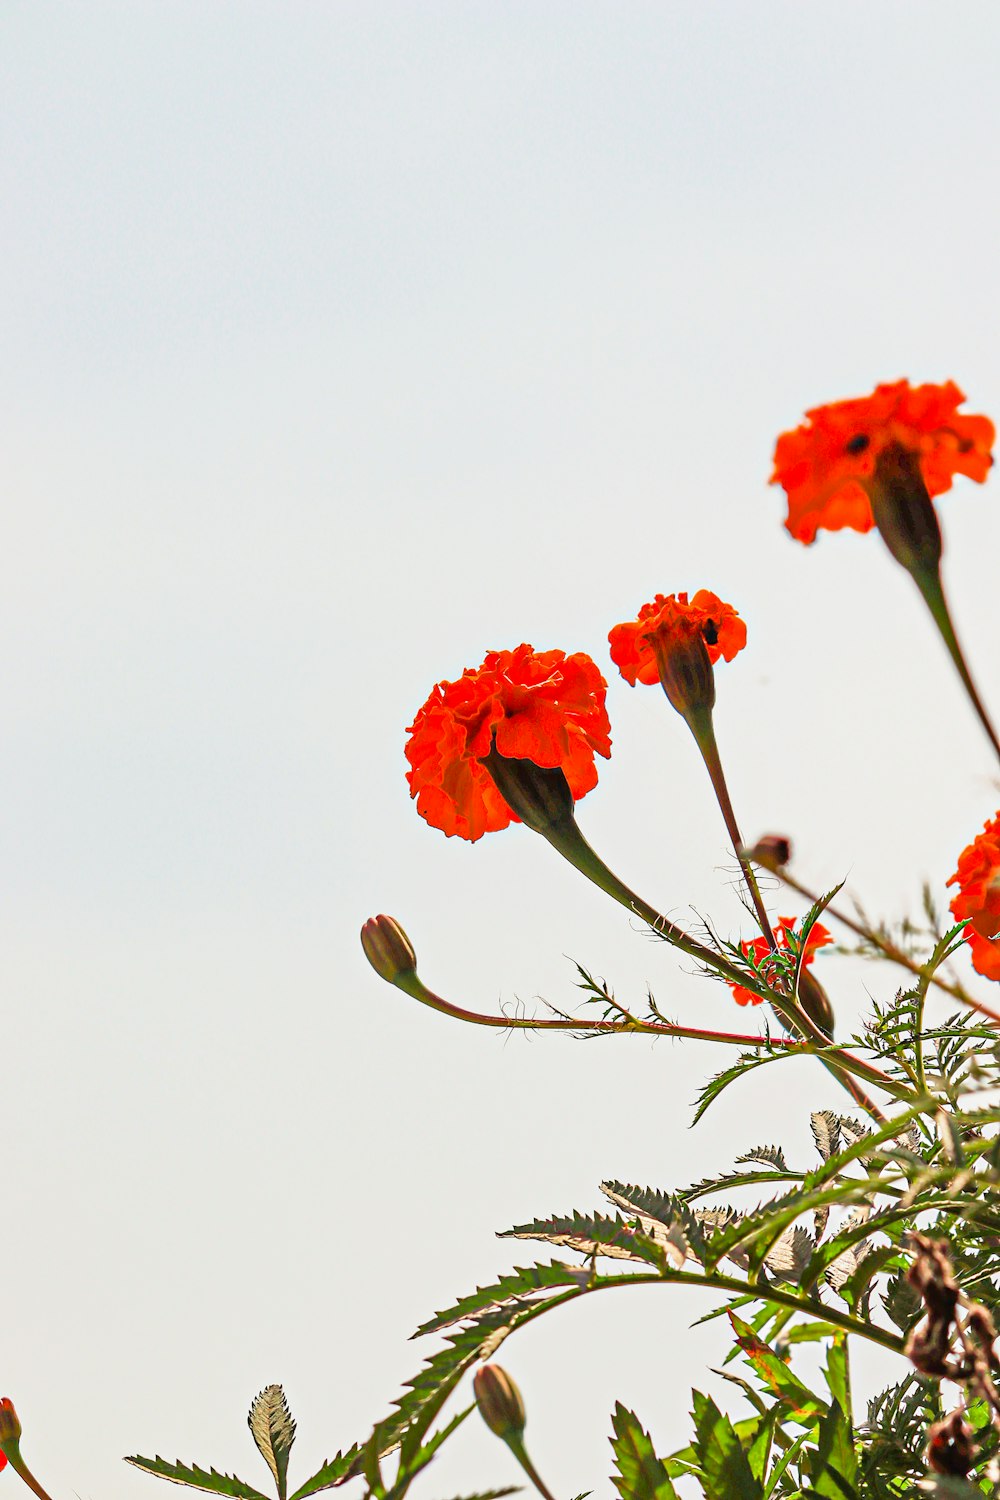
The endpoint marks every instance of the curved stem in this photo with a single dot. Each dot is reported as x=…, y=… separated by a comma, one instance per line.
x=412, y=985
x=929, y=583
x=19, y=1466
x=516, y=1445
x=567, y=839
x=719, y=1282
x=703, y=729
x=886, y=946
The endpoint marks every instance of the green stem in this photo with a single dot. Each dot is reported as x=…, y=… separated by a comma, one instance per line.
x=929, y=583
x=703, y=729
x=718, y=1282
x=516, y=1445
x=411, y=984
x=566, y=838
x=19, y=1466
x=885, y=946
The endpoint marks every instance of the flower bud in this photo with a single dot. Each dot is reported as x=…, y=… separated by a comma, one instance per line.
x=815, y=1002
x=773, y=851
x=540, y=795
x=904, y=512
x=10, y=1429
x=388, y=949
x=499, y=1401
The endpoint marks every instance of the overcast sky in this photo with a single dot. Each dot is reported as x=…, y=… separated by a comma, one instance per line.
x=342, y=342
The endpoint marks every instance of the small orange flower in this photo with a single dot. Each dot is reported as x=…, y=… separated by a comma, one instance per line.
x=672, y=620
x=545, y=707
x=827, y=465
x=760, y=948
x=978, y=899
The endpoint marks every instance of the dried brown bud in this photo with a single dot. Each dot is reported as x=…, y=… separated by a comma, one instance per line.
x=772, y=851
x=950, y=1447
x=499, y=1401
x=388, y=949
x=931, y=1275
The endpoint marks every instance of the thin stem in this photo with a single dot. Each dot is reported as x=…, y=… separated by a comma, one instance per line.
x=19, y=1466
x=516, y=1446
x=703, y=729
x=929, y=583
x=412, y=985
x=886, y=946
x=571, y=844
x=718, y=1282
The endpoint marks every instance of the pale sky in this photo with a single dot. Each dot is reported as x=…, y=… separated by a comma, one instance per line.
x=342, y=343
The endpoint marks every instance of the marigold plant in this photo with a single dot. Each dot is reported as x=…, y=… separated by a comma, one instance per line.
x=886, y=1234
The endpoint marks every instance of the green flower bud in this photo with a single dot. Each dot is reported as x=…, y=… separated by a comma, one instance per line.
x=388, y=949
x=499, y=1401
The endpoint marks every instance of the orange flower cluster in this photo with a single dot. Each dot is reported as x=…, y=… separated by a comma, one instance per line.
x=978, y=899
x=826, y=465
x=759, y=949
x=545, y=707
x=671, y=620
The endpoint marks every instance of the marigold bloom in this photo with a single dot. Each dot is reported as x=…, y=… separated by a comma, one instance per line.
x=978, y=899
x=545, y=707
x=827, y=465
x=759, y=949
x=673, y=620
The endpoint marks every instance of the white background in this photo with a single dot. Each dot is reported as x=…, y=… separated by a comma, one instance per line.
x=342, y=342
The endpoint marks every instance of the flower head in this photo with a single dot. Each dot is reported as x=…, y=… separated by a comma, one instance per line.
x=978, y=900
x=759, y=949
x=544, y=707
x=827, y=465
x=672, y=621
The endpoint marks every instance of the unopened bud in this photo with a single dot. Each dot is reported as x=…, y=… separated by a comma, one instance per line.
x=815, y=1002
x=772, y=851
x=540, y=795
x=388, y=949
x=499, y=1401
x=10, y=1428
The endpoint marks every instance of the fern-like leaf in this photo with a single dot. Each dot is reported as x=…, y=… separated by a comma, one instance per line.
x=641, y=1475
x=195, y=1478
x=273, y=1430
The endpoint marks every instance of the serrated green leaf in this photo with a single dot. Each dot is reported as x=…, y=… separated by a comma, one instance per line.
x=724, y=1467
x=769, y=1156
x=509, y=1489
x=833, y=1463
x=512, y=1290
x=641, y=1475
x=591, y=1234
x=334, y=1471
x=196, y=1478
x=415, y=1456
x=273, y=1430
x=759, y=1450
x=802, y=1403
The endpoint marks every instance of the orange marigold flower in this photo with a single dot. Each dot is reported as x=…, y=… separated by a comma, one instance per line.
x=673, y=619
x=544, y=706
x=826, y=465
x=759, y=949
x=978, y=899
